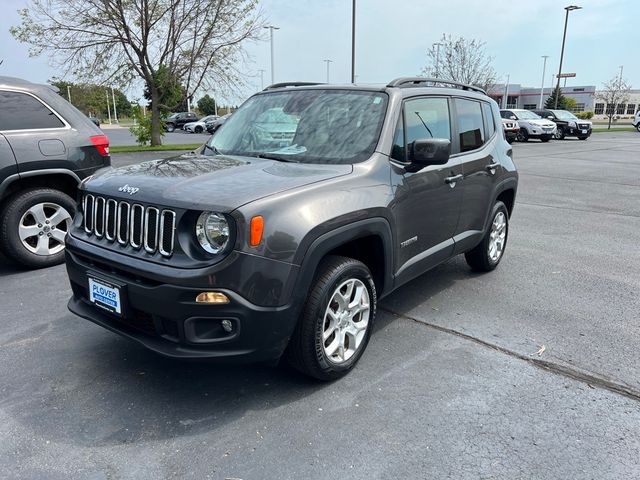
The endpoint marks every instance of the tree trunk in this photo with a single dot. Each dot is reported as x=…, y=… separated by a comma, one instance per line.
x=156, y=124
x=610, y=117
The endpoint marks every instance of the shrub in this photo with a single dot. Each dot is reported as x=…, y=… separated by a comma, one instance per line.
x=584, y=115
x=142, y=127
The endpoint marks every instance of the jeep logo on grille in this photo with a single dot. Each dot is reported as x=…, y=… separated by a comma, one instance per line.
x=127, y=189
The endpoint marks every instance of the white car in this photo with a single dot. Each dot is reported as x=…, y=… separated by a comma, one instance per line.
x=636, y=121
x=531, y=125
x=200, y=126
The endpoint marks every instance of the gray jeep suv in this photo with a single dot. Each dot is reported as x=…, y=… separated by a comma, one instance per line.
x=254, y=247
x=47, y=147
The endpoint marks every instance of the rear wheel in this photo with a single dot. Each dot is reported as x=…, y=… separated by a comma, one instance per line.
x=337, y=320
x=487, y=254
x=33, y=227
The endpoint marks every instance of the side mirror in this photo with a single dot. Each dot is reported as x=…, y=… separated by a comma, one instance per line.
x=550, y=117
x=513, y=117
x=429, y=151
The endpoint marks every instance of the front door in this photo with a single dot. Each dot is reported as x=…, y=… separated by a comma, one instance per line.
x=427, y=202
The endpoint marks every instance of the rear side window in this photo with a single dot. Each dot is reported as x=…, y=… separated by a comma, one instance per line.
x=470, y=125
x=489, y=125
x=23, y=112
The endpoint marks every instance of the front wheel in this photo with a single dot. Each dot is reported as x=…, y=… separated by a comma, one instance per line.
x=523, y=135
x=170, y=127
x=33, y=227
x=198, y=129
x=337, y=320
x=559, y=135
x=487, y=255
x=638, y=126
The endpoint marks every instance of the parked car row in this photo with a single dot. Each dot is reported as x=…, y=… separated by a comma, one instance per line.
x=522, y=125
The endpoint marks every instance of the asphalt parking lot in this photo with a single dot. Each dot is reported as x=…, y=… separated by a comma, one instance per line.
x=530, y=371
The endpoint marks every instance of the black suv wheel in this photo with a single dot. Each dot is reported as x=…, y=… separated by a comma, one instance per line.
x=170, y=127
x=487, y=255
x=337, y=320
x=33, y=226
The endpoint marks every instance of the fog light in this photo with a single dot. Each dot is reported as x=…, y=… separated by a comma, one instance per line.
x=212, y=297
x=227, y=326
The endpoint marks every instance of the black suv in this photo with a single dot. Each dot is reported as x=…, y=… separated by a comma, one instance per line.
x=47, y=147
x=253, y=247
x=567, y=124
x=177, y=120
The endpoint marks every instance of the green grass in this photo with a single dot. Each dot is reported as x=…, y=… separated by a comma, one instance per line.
x=605, y=129
x=160, y=148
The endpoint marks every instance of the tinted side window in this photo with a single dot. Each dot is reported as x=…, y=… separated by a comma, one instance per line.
x=21, y=111
x=427, y=118
x=398, y=151
x=506, y=114
x=489, y=123
x=470, y=127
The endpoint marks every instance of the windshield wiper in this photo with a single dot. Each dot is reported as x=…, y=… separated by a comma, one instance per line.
x=212, y=148
x=279, y=158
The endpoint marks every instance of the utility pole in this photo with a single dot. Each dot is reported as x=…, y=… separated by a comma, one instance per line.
x=108, y=107
x=69, y=94
x=115, y=111
x=620, y=80
x=544, y=69
x=564, y=37
x=328, y=62
x=261, y=78
x=271, y=29
x=353, y=42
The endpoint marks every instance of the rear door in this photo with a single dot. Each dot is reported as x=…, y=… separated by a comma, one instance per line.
x=34, y=131
x=425, y=206
x=476, y=130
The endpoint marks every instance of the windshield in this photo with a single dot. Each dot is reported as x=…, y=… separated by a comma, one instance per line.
x=309, y=126
x=564, y=115
x=526, y=115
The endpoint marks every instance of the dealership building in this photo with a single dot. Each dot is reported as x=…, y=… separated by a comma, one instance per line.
x=586, y=98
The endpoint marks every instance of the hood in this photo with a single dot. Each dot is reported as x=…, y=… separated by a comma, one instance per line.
x=540, y=121
x=194, y=181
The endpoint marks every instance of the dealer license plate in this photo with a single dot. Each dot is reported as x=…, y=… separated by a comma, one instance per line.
x=105, y=295
x=584, y=131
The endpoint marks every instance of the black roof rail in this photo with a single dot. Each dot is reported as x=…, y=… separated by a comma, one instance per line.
x=413, y=81
x=291, y=84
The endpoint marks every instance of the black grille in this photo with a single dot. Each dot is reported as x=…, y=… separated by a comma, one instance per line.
x=131, y=225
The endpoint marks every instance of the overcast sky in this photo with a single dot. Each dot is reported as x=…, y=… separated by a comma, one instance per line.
x=393, y=36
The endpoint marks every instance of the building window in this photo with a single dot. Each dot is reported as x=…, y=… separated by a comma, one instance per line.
x=599, y=109
x=620, y=108
x=610, y=108
x=631, y=109
x=530, y=106
x=512, y=102
x=579, y=107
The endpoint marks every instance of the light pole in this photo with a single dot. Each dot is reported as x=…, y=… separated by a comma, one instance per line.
x=115, y=112
x=353, y=42
x=328, y=62
x=271, y=29
x=69, y=93
x=261, y=78
x=437, y=44
x=544, y=70
x=506, y=93
x=564, y=36
x=620, y=80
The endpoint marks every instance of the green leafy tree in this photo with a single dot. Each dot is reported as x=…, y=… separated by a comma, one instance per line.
x=207, y=105
x=570, y=103
x=551, y=101
x=142, y=126
x=197, y=43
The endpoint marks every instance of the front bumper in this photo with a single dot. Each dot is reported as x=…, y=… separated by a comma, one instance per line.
x=165, y=318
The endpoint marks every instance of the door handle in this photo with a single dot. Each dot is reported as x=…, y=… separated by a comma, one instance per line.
x=492, y=167
x=453, y=180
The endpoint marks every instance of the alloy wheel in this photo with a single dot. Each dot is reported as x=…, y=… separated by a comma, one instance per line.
x=43, y=228
x=497, y=236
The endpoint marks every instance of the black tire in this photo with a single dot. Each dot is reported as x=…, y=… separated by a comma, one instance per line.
x=523, y=135
x=306, y=350
x=544, y=139
x=170, y=127
x=479, y=258
x=559, y=135
x=582, y=138
x=198, y=129
x=638, y=127
x=16, y=207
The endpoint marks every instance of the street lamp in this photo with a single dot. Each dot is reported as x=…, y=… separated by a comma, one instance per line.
x=564, y=36
x=261, y=78
x=437, y=45
x=544, y=70
x=353, y=42
x=328, y=62
x=271, y=29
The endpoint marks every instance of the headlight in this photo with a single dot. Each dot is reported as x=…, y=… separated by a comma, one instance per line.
x=212, y=232
x=573, y=125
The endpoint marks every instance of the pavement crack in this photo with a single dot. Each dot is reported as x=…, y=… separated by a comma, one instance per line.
x=566, y=371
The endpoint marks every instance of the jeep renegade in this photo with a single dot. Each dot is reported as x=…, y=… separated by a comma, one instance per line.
x=281, y=238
